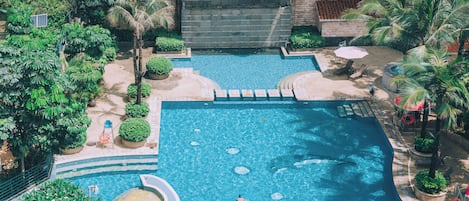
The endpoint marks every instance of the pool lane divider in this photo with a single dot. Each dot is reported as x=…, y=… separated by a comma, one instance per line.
x=254, y=95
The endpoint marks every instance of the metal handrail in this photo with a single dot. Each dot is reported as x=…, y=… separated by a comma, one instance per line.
x=26, y=180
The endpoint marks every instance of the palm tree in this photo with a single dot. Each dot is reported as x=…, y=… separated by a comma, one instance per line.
x=413, y=23
x=430, y=77
x=139, y=16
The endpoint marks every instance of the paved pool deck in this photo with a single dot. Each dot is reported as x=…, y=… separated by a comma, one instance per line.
x=183, y=84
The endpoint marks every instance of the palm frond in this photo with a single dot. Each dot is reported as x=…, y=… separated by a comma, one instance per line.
x=117, y=16
x=448, y=113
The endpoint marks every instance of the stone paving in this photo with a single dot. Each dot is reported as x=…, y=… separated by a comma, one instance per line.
x=183, y=84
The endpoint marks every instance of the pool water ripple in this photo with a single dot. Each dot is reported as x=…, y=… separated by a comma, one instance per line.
x=285, y=152
x=246, y=71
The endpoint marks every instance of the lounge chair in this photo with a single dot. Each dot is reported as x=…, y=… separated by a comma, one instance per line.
x=358, y=73
x=346, y=69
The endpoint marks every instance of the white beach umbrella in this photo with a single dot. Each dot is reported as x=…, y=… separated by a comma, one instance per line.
x=351, y=52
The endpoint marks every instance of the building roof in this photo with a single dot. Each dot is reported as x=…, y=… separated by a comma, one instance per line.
x=453, y=48
x=333, y=9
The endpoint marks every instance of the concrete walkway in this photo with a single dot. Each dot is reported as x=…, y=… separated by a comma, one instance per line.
x=185, y=85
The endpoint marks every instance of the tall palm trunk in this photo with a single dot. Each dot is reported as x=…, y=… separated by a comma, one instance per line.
x=426, y=112
x=138, y=78
x=435, y=148
x=461, y=43
x=140, y=70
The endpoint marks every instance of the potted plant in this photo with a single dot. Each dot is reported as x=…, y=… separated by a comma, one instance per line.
x=422, y=150
x=74, y=132
x=158, y=68
x=429, y=188
x=134, y=110
x=75, y=146
x=132, y=91
x=134, y=132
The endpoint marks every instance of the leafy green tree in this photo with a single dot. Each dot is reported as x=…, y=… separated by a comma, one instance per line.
x=428, y=76
x=92, y=12
x=139, y=16
x=85, y=77
x=92, y=40
x=32, y=94
x=58, y=190
x=56, y=10
x=413, y=23
x=36, y=39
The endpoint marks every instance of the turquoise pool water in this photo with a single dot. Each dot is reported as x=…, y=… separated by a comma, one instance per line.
x=266, y=151
x=256, y=69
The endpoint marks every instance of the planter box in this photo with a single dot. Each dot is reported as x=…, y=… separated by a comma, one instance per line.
x=153, y=76
x=302, y=49
x=71, y=151
x=430, y=197
x=129, y=144
x=420, y=158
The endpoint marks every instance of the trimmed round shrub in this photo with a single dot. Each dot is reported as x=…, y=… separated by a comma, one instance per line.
x=423, y=145
x=134, y=110
x=80, y=140
x=159, y=65
x=169, y=42
x=73, y=130
x=132, y=90
x=428, y=185
x=134, y=130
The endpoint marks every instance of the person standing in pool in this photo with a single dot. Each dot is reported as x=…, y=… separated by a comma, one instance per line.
x=240, y=198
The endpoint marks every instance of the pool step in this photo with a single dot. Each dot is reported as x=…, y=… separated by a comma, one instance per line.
x=252, y=95
x=287, y=82
x=105, y=164
x=114, y=168
x=361, y=109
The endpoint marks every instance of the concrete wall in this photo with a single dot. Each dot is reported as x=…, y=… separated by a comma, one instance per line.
x=341, y=28
x=304, y=12
x=226, y=27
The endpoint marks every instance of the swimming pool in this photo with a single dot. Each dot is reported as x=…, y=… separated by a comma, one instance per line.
x=248, y=69
x=267, y=151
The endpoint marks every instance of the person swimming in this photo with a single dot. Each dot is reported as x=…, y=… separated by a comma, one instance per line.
x=240, y=198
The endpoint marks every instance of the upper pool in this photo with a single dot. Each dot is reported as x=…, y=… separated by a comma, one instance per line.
x=246, y=69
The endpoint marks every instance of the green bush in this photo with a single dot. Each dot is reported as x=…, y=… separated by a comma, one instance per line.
x=110, y=54
x=134, y=110
x=423, y=145
x=134, y=129
x=58, y=190
x=93, y=40
x=428, y=185
x=169, y=42
x=159, y=65
x=362, y=41
x=306, y=37
x=84, y=76
x=19, y=20
x=132, y=90
x=73, y=130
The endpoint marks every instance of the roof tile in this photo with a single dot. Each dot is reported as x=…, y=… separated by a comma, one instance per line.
x=332, y=9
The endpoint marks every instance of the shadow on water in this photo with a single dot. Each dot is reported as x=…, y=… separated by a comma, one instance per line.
x=323, y=136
